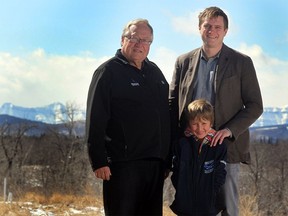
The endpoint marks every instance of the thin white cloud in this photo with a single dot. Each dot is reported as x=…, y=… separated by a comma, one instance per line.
x=39, y=79
x=186, y=24
x=165, y=59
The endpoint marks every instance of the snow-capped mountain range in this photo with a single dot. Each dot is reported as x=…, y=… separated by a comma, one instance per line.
x=54, y=113
x=57, y=113
x=272, y=116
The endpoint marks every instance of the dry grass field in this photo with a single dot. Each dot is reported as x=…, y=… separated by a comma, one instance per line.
x=57, y=205
x=70, y=205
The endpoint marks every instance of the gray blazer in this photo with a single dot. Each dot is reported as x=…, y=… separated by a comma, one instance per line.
x=238, y=100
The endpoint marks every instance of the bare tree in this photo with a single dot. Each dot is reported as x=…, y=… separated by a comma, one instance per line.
x=268, y=174
x=11, y=142
x=70, y=145
x=280, y=179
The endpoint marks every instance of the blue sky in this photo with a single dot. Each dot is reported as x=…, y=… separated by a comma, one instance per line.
x=49, y=49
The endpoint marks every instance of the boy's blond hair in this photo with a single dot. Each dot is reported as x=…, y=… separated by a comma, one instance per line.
x=200, y=109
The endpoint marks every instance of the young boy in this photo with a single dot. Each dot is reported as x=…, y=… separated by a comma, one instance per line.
x=198, y=168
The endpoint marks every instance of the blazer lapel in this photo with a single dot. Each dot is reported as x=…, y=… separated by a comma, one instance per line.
x=188, y=80
x=221, y=68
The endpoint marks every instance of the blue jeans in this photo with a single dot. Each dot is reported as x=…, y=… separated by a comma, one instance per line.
x=230, y=190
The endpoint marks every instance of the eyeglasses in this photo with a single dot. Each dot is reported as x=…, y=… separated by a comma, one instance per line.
x=137, y=40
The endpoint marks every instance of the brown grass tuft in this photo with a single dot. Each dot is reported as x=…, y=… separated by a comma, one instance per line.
x=9, y=209
x=34, y=197
x=248, y=206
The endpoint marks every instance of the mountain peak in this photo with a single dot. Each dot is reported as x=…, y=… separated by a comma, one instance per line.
x=52, y=114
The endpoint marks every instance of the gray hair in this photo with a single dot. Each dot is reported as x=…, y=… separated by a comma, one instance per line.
x=126, y=30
